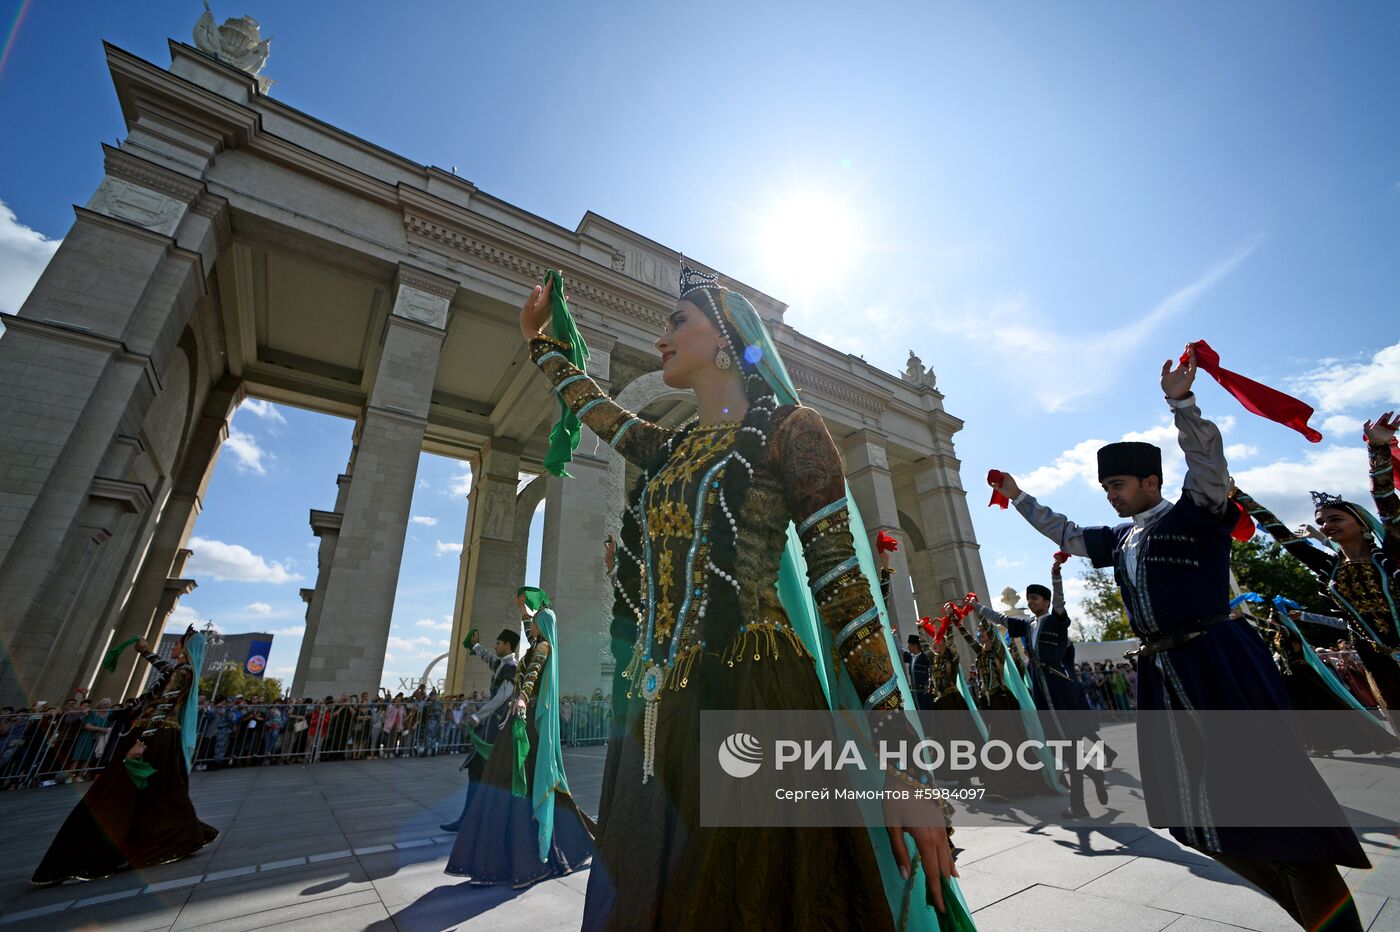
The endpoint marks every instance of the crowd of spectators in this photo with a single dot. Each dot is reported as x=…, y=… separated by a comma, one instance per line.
x=69, y=743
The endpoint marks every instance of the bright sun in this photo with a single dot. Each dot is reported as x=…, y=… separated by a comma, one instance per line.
x=807, y=242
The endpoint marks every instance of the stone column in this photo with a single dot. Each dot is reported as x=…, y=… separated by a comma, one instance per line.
x=868, y=474
x=572, y=570
x=325, y=525
x=346, y=652
x=79, y=368
x=464, y=671
x=141, y=615
x=493, y=566
x=105, y=521
x=951, y=566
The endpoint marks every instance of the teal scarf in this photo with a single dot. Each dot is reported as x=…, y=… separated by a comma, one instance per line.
x=549, y=758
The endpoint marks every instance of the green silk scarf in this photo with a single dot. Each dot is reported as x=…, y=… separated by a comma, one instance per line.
x=564, y=437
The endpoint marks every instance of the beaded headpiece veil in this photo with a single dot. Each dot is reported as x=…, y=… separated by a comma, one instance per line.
x=1369, y=521
x=750, y=340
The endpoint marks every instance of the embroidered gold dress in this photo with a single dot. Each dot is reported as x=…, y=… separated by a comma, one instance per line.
x=1366, y=591
x=658, y=868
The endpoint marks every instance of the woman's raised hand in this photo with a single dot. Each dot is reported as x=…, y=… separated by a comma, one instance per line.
x=534, y=313
x=1382, y=429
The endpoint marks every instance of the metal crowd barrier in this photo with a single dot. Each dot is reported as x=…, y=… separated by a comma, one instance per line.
x=55, y=746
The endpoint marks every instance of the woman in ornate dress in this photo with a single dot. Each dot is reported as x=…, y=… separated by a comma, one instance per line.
x=1362, y=573
x=1309, y=689
x=521, y=825
x=138, y=813
x=713, y=581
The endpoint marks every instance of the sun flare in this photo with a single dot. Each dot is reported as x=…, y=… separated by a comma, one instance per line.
x=807, y=242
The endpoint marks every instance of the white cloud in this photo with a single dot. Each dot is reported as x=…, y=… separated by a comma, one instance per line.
x=283, y=671
x=183, y=616
x=436, y=625
x=265, y=410
x=1003, y=563
x=1019, y=331
x=424, y=520
x=245, y=448
x=1342, y=427
x=447, y=547
x=416, y=648
x=461, y=484
x=1283, y=486
x=259, y=608
x=295, y=631
x=234, y=563
x=1082, y=460
x=1341, y=386
x=23, y=255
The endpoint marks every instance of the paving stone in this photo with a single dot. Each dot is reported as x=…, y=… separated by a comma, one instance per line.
x=1207, y=891
x=1050, y=909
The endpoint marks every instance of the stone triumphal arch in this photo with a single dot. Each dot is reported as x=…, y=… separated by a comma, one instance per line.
x=237, y=247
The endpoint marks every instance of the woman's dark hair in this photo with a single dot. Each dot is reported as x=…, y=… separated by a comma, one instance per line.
x=749, y=454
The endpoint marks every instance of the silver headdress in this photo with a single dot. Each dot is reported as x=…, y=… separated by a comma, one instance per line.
x=1326, y=500
x=691, y=279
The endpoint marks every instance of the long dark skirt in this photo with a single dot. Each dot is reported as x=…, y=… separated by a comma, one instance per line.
x=659, y=868
x=951, y=720
x=1344, y=728
x=1228, y=668
x=1384, y=674
x=498, y=841
x=1005, y=724
x=115, y=825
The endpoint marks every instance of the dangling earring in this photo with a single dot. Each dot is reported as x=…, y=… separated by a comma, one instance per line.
x=722, y=360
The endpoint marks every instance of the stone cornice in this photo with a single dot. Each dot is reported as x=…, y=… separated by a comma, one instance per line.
x=524, y=259
x=141, y=86
x=807, y=378
x=181, y=586
x=122, y=164
x=426, y=281
x=131, y=496
x=322, y=521
x=80, y=336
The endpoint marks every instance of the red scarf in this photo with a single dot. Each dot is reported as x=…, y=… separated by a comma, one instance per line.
x=1255, y=396
x=937, y=630
x=994, y=479
x=1244, y=524
x=884, y=542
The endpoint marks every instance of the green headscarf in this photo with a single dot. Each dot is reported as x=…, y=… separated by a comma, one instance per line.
x=564, y=437
x=535, y=597
x=759, y=351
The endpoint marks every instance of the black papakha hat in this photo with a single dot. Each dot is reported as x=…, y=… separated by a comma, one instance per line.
x=510, y=637
x=1130, y=458
x=1037, y=589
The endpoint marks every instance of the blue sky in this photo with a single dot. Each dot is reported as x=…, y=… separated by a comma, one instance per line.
x=1044, y=201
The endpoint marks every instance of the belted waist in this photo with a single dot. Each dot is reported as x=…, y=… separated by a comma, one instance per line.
x=1155, y=644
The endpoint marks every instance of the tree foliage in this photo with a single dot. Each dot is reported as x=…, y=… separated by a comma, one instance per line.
x=1264, y=567
x=1104, y=606
x=235, y=682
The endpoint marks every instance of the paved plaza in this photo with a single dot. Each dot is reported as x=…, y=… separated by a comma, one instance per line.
x=356, y=845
